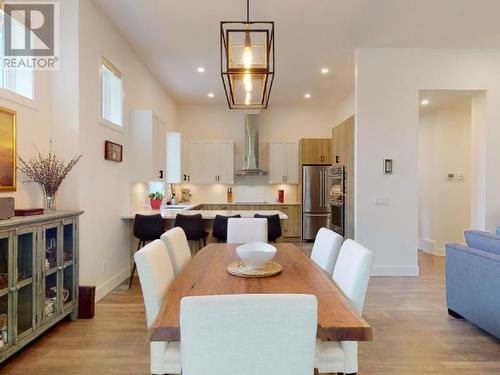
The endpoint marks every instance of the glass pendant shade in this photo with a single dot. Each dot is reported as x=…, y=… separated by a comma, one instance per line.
x=247, y=63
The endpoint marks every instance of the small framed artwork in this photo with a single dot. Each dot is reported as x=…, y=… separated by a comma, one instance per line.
x=7, y=150
x=113, y=151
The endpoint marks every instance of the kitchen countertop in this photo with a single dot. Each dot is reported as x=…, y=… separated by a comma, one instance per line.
x=247, y=203
x=169, y=214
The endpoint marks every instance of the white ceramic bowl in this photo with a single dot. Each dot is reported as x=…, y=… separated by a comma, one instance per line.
x=256, y=254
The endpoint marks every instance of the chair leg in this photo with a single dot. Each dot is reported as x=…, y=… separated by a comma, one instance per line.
x=139, y=245
x=204, y=241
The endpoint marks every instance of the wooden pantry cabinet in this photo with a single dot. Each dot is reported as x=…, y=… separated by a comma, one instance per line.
x=343, y=147
x=315, y=151
x=343, y=155
x=38, y=276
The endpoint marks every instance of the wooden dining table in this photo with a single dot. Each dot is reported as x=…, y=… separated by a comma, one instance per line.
x=206, y=274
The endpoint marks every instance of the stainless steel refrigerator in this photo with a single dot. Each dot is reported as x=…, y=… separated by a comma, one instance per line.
x=315, y=192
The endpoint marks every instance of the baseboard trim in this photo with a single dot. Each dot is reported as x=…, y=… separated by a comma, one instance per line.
x=109, y=285
x=436, y=251
x=395, y=271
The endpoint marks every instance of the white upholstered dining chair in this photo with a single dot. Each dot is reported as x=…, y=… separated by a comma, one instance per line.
x=178, y=248
x=156, y=275
x=326, y=249
x=247, y=334
x=352, y=274
x=244, y=230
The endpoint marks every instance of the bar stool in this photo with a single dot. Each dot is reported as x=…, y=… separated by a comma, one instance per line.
x=273, y=226
x=146, y=228
x=193, y=227
x=220, y=227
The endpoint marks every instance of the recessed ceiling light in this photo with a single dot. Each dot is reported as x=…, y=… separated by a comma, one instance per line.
x=325, y=70
x=425, y=101
x=201, y=69
x=307, y=95
x=211, y=95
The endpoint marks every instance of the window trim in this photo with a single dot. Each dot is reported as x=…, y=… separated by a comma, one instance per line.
x=15, y=97
x=103, y=61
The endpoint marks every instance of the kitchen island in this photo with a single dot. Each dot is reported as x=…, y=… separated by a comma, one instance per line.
x=208, y=215
x=170, y=214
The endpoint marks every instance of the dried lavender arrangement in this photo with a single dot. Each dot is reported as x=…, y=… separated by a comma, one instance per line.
x=48, y=172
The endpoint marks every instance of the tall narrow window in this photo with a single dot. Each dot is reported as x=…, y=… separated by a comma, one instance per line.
x=19, y=79
x=111, y=94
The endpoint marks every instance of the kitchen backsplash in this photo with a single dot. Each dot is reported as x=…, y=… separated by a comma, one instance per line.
x=245, y=189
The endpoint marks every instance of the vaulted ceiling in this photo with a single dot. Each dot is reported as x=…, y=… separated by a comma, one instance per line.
x=175, y=37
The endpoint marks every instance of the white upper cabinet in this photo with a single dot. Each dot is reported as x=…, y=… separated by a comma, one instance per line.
x=177, y=158
x=211, y=162
x=284, y=163
x=197, y=162
x=148, y=155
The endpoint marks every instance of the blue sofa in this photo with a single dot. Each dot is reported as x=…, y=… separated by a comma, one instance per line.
x=473, y=280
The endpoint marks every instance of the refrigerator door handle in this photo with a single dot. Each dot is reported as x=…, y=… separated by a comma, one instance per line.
x=316, y=215
x=321, y=188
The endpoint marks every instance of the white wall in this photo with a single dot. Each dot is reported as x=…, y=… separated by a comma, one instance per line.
x=443, y=204
x=276, y=124
x=387, y=87
x=53, y=114
x=478, y=162
x=104, y=185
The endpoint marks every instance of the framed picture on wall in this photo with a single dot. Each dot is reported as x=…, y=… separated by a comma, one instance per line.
x=7, y=150
x=113, y=151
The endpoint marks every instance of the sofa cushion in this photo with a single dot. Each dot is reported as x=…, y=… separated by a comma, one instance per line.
x=483, y=241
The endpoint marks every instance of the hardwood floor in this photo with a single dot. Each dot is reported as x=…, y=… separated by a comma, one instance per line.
x=412, y=334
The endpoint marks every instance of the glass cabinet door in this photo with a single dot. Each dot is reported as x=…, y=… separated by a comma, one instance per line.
x=25, y=281
x=68, y=291
x=5, y=296
x=51, y=270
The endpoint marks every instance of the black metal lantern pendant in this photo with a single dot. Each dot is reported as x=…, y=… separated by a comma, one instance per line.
x=247, y=62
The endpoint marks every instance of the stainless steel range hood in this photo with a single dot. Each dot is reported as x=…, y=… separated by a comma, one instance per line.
x=251, y=157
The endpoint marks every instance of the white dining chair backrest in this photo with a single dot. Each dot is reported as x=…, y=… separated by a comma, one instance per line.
x=352, y=272
x=178, y=248
x=156, y=275
x=326, y=249
x=244, y=230
x=248, y=334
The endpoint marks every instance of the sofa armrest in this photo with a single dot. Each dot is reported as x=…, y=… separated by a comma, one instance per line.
x=472, y=285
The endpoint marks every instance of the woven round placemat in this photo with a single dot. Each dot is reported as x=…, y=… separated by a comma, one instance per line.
x=242, y=270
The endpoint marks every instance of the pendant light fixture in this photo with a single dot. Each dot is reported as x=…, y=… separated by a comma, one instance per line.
x=247, y=62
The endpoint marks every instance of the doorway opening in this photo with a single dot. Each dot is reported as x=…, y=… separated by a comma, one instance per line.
x=445, y=166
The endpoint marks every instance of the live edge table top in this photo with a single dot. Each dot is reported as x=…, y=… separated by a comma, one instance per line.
x=206, y=274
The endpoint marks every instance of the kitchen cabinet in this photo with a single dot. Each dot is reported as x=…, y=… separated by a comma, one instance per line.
x=290, y=227
x=349, y=210
x=343, y=155
x=148, y=138
x=177, y=158
x=343, y=147
x=211, y=162
x=38, y=276
x=284, y=163
x=315, y=151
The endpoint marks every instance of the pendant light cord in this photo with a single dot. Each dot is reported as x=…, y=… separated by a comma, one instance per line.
x=248, y=10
